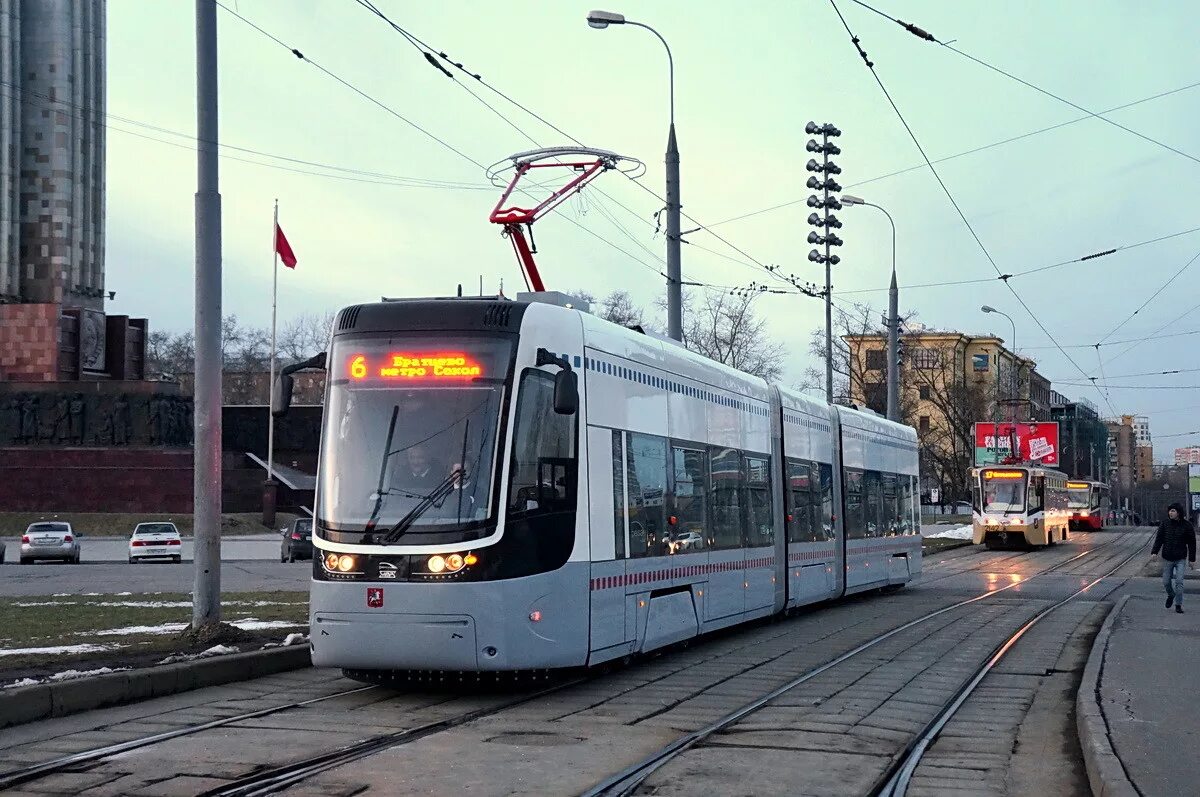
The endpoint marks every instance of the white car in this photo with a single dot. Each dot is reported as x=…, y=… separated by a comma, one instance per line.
x=50, y=540
x=155, y=541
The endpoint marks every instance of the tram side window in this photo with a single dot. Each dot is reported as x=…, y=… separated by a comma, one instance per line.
x=725, y=497
x=800, y=515
x=873, y=503
x=1037, y=494
x=827, y=501
x=689, y=470
x=542, y=476
x=856, y=523
x=912, y=507
x=760, y=523
x=620, y=512
x=646, y=479
x=891, y=504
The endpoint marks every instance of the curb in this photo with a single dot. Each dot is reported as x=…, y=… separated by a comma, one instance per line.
x=1105, y=772
x=23, y=704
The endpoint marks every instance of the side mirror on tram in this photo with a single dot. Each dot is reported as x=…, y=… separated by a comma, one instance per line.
x=566, y=393
x=281, y=395
x=281, y=391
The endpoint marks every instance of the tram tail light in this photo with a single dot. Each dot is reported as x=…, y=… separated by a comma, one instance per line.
x=535, y=617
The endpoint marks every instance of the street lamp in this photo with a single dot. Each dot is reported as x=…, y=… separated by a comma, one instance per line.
x=996, y=426
x=826, y=168
x=601, y=20
x=893, y=369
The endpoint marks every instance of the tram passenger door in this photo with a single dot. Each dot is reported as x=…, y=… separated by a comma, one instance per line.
x=608, y=502
x=725, y=600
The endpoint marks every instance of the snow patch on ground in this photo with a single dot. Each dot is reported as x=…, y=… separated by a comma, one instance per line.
x=56, y=650
x=162, y=628
x=950, y=533
x=215, y=650
x=247, y=624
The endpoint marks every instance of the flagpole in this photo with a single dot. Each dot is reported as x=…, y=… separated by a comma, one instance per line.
x=274, y=305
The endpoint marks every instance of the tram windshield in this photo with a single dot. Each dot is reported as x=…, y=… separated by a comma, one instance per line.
x=1004, y=491
x=409, y=442
x=1079, y=495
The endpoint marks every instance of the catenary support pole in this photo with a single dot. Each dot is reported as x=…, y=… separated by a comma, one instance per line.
x=206, y=501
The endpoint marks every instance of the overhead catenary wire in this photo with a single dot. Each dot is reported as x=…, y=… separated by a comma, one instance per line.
x=963, y=154
x=300, y=56
x=856, y=42
x=1152, y=297
x=1037, y=269
x=429, y=52
x=1155, y=334
x=76, y=111
x=922, y=34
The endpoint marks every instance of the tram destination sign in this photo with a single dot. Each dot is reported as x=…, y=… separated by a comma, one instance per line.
x=1036, y=443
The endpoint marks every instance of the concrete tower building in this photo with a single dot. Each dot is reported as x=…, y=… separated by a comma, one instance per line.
x=52, y=145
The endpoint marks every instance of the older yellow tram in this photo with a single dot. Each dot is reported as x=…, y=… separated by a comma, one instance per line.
x=1019, y=505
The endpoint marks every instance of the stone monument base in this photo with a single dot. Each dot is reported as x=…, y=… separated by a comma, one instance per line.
x=125, y=479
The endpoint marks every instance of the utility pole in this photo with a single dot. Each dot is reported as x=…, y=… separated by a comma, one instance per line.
x=893, y=369
x=206, y=500
x=674, y=270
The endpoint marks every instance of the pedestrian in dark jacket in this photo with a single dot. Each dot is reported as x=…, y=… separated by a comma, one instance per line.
x=1177, y=540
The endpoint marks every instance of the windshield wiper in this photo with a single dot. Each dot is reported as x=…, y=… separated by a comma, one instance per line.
x=380, y=493
x=435, y=497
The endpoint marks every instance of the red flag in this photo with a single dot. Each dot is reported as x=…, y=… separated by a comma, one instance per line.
x=283, y=248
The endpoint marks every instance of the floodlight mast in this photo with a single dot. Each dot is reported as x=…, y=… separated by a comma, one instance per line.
x=513, y=217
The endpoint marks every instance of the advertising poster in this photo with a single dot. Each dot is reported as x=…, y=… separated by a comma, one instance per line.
x=1036, y=443
x=1194, y=478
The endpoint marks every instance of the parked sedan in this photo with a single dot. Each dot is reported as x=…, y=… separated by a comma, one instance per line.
x=50, y=540
x=297, y=541
x=155, y=541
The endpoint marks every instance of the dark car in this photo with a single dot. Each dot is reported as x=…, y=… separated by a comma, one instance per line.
x=297, y=541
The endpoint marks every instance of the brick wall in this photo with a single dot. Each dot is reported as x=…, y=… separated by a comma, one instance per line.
x=95, y=480
x=28, y=342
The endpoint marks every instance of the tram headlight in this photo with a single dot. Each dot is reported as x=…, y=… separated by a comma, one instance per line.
x=454, y=562
x=436, y=564
x=345, y=563
x=331, y=562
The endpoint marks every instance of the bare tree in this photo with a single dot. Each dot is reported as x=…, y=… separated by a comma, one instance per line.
x=947, y=434
x=618, y=307
x=304, y=336
x=170, y=354
x=726, y=328
x=852, y=376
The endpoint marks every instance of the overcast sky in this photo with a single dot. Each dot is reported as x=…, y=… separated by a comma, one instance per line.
x=748, y=77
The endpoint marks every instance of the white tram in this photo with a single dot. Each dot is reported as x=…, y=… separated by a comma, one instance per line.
x=519, y=485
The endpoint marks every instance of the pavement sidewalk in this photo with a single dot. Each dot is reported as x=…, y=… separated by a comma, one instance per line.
x=1138, y=714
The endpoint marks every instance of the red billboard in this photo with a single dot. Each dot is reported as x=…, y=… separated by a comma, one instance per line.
x=1037, y=443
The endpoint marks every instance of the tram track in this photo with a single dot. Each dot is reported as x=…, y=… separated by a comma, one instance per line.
x=629, y=780
x=16, y=777
x=897, y=777
x=275, y=779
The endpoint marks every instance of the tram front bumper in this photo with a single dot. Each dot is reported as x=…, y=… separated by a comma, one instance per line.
x=361, y=640
x=531, y=623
